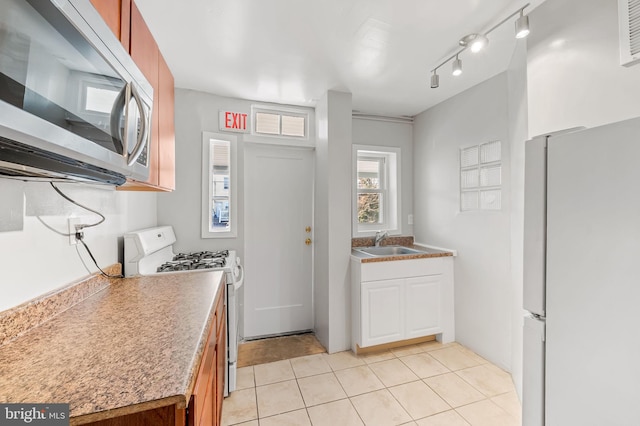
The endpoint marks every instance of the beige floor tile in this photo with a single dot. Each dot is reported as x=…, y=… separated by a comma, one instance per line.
x=393, y=372
x=380, y=408
x=245, y=378
x=448, y=418
x=489, y=380
x=453, y=389
x=455, y=359
x=424, y=365
x=510, y=403
x=239, y=407
x=377, y=357
x=432, y=346
x=292, y=418
x=251, y=423
x=273, y=372
x=418, y=399
x=486, y=413
x=358, y=380
x=320, y=389
x=338, y=413
x=342, y=360
x=472, y=354
x=310, y=365
x=278, y=398
x=407, y=350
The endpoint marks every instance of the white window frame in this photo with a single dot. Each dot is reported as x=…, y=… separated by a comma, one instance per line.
x=391, y=191
x=308, y=141
x=207, y=185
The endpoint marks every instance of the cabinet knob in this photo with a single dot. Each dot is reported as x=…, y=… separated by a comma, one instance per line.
x=307, y=229
x=308, y=241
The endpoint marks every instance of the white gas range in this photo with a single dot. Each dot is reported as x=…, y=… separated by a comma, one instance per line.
x=150, y=252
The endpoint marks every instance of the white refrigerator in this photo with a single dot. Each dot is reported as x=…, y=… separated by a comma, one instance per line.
x=582, y=278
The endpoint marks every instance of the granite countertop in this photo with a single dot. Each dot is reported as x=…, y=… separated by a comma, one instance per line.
x=427, y=252
x=133, y=346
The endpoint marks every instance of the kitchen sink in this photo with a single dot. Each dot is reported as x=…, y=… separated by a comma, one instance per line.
x=388, y=251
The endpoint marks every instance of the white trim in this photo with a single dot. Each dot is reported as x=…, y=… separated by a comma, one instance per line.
x=207, y=183
x=392, y=208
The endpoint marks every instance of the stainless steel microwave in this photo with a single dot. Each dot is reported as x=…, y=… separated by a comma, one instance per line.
x=73, y=104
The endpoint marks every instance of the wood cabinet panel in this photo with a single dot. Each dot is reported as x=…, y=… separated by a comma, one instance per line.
x=117, y=15
x=144, y=52
x=166, y=127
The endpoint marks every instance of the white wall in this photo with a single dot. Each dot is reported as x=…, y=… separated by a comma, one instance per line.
x=196, y=112
x=574, y=72
x=385, y=133
x=35, y=260
x=332, y=248
x=518, y=113
x=483, y=293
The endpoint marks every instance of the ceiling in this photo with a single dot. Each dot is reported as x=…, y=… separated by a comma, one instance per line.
x=293, y=51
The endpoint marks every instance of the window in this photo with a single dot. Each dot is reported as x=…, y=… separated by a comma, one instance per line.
x=219, y=215
x=481, y=177
x=376, y=203
x=290, y=124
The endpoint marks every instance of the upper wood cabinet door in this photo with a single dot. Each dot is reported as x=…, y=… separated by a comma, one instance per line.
x=117, y=15
x=145, y=54
x=166, y=129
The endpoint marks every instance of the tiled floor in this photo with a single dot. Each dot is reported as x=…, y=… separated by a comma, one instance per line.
x=428, y=385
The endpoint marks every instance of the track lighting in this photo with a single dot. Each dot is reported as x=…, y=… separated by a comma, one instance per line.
x=478, y=41
x=435, y=80
x=457, y=67
x=475, y=42
x=522, y=25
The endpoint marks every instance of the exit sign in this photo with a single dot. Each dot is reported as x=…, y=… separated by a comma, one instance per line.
x=233, y=121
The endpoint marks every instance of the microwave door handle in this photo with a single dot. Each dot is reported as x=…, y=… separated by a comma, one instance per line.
x=116, y=112
x=142, y=135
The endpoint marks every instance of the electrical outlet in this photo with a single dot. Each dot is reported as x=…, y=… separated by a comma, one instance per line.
x=410, y=219
x=73, y=221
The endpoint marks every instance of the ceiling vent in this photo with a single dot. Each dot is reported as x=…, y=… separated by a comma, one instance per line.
x=629, y=13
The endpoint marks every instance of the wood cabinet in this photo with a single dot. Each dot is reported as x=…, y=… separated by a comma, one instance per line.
x=117, y=15
x=205, y=407
x=135, y=35
x=205, y=404
x=401, y=300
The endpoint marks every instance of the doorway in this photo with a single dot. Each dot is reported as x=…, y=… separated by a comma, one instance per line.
x=278, y=240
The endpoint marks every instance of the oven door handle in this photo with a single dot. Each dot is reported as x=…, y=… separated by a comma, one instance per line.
x=240, y=280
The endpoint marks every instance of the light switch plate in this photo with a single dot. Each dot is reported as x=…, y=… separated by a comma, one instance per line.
x=73, y=221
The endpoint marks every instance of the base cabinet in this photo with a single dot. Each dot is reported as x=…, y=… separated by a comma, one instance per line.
x=401, y=300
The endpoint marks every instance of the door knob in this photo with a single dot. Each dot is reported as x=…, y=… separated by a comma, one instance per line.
x=308, y=241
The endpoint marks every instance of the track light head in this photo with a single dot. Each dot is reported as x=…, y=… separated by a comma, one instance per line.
x=435, y=80
x=522, y=25
x=457, y=67
x=475, y=42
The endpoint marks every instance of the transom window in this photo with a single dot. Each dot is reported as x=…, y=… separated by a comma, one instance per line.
x=288, y=124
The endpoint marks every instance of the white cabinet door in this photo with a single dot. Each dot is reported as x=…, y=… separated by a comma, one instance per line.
x=423, y=306
x=382, y=312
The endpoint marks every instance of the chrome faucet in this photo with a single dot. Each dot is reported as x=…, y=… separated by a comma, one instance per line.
x=379, y=237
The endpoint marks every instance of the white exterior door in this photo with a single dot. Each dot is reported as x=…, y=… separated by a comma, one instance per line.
x=278, y=258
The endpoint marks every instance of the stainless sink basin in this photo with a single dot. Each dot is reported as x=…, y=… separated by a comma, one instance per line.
x=388, y=251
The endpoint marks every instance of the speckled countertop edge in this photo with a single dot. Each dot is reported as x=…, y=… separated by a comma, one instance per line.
x=132, y=346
